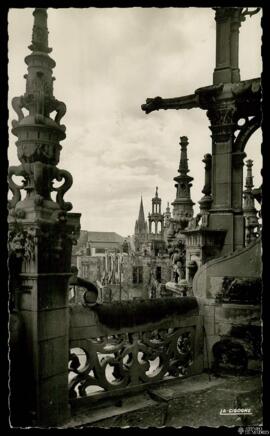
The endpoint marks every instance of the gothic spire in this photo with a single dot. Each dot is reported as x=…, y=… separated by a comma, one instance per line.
x=140, y=233
x=141, y=225
x=141, y=212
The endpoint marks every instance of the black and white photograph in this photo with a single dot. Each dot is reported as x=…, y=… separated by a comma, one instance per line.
x=135, y=217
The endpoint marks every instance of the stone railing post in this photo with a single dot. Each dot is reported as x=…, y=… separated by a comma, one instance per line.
x=41, y=234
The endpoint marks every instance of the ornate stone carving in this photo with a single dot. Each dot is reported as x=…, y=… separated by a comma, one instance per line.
x=223, y=121
x=17, y=104
x=40, y=32
x=21, y=243
x=15, y=189
x=38, y=182
x=186, y=102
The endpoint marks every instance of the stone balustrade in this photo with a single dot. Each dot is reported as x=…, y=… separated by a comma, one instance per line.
x=125, y=347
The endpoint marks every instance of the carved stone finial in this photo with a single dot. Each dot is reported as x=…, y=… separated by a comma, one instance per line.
x=249, y=178
x=183, y=166
x=39, y=136
x=206, y=200
x=249, y=211
x=40, y=31
x=183, y=205
x=208, y=167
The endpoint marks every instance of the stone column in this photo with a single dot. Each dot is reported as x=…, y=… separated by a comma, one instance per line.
x=226, y=211
x=235, y=27
x=228, y=21
x=41, y=234
x=237, y=198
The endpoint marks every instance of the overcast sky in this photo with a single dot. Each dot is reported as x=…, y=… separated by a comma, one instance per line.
x=108, y=61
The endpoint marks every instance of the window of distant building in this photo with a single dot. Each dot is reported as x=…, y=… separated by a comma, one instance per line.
x=158, y=274
x=100, y=250
x=137, y=274
x=85, y=270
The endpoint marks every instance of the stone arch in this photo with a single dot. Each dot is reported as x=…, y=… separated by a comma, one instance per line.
x=245, y=133
x=159, y=226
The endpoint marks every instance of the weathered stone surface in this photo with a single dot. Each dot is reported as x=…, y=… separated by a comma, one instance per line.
x=147, y=417
x=169, y=405
x=242, y=263
x=52, y=323
x=51, y=353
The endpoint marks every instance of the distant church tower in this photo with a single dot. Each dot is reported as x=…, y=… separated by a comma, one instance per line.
x=141, y=233
x=156, y=224
x=156, y=218
x=183, y=205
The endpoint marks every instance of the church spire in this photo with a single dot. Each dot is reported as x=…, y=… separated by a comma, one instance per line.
x=141, y=218
x=183, y=205
x=140, y=233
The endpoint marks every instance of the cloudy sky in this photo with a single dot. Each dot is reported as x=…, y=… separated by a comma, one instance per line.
x=108, y=61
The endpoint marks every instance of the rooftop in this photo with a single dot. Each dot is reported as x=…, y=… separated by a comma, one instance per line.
x=105, y=237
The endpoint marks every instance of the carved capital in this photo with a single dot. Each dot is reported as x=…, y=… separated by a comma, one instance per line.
x=223, y=122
